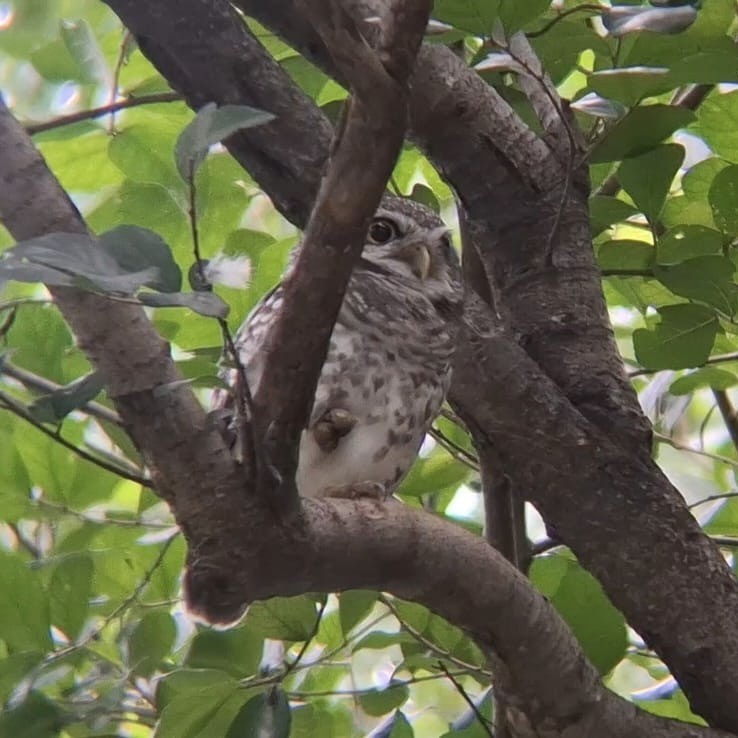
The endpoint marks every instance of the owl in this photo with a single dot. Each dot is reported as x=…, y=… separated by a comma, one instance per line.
x=389, y=361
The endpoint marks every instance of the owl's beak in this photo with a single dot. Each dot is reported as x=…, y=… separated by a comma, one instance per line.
x=419, y=259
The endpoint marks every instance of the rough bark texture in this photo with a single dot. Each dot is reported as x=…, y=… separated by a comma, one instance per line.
x=550, y=380
x=243, y=553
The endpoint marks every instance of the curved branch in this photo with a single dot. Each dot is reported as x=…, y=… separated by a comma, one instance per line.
x=363, y=153
x=239, y=552
x=206, y=53
x=334, y=545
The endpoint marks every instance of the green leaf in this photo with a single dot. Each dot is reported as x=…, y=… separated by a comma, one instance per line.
x=82, y=45
x=647, y=178
x=683, y=339
x=686, y=242
x=150, y=642
x=237, y=651
x=265, y=716
x=186, y=682
x=606, y=211
x=626, y=254
x=24, y=616
x=472, y=16
x=354, y=606
x=142, y=153
x=708, y=376
x=708, y=279
x=639, y=131
x=379, y=640
x=697, y=181
x=416, y=616
x=136, y=249
x=377, y=702
x=718, y=121
x=69, y=593
x=434, y=473
x=211, y=125
x=77, y=256
x=631, y=85
x=57, y=405
x=35, y=717
x=284, y=618
x=401, y=728
x=515, y=14
x=204, y=712
x=14, y=669
x=723, y=198
x=580, y=600
x=203, y=303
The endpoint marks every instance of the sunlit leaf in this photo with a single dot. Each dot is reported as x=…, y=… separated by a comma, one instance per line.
x=287, y=618
x=682, y=339
x=211, y=125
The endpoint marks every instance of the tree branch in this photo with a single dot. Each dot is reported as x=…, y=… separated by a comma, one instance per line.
x=129, y=102
x=207, y=54
x=238, y=553
x=363, y=154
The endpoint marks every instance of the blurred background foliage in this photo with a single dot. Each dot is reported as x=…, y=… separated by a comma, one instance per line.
x=93, y=640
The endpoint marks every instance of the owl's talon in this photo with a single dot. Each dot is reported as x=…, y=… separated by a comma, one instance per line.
x=358, y=490
x=332, y=427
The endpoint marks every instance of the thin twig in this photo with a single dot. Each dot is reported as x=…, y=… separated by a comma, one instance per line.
x=469, y=701
x=681, y=447
x=107, y=520
x=712, y=498
x=586, y=7
x=458, y=452
x=130, y=102
x=720, y=359
x=292, y=664
x=437, y=650
x=120, y=609
x=41, y=384
x=728, y=413
x=297, y=695
x=122, y=53
x=19, y=410
x=727, y=541
x=244, y=404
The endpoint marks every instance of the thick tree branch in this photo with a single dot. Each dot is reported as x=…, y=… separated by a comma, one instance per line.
x=331, y=545
x=363, y=154
x=510, y=185
x=205, y=52
x=623, y=501
x=560, y=317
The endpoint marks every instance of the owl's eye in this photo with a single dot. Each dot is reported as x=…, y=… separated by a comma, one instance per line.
x=382, y=230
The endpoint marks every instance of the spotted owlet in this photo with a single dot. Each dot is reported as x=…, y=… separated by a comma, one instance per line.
x=389, y=360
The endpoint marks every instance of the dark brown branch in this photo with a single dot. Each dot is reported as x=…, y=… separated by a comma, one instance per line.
x=207, y=54
x=728, y=413
x=16, y=408
x=363, y=154
x=606, y=512
x=129, y=102
x=238, y=553
x=45, y=386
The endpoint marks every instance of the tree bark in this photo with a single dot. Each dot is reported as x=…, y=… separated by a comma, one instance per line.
x=602, y=495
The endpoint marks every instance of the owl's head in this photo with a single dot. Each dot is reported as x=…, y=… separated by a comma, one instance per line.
x=410, y=241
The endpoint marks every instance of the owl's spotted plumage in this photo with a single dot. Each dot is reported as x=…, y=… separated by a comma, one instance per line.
x=388, y=364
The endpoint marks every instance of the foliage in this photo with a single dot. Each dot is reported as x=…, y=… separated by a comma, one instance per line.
x=93, y=641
